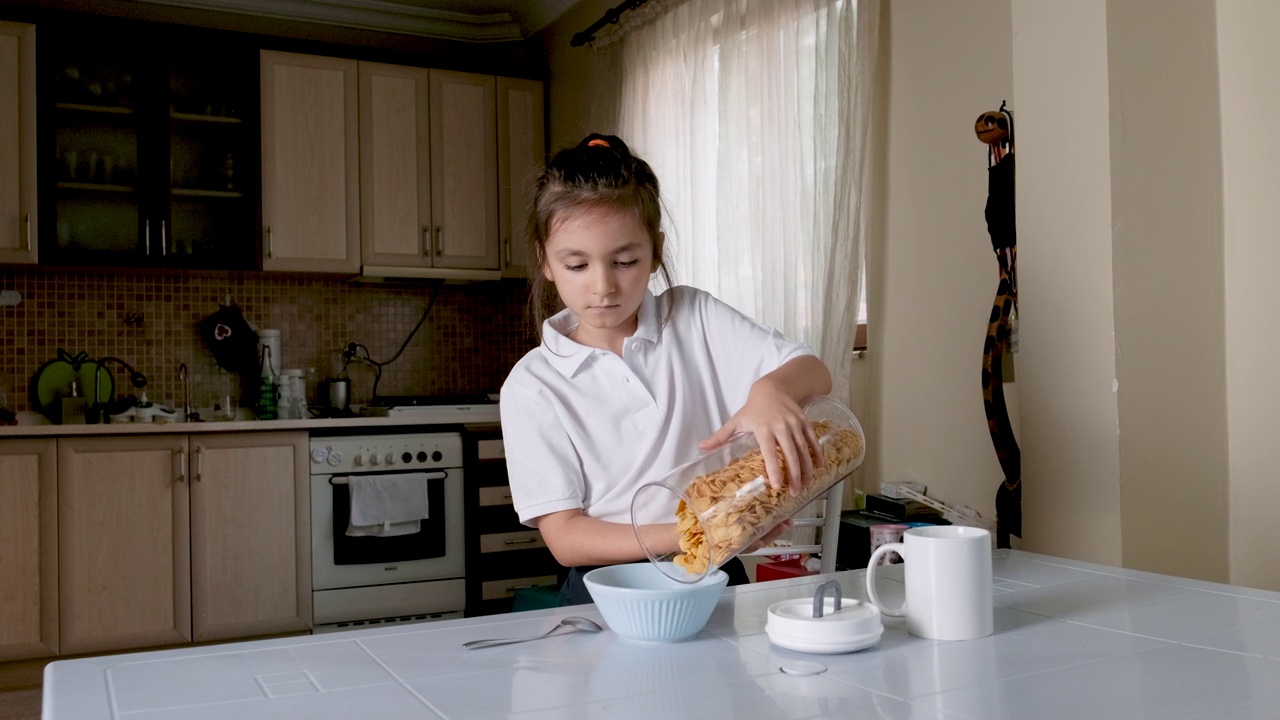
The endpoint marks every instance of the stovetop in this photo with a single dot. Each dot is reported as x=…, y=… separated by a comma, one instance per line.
x=452, y=408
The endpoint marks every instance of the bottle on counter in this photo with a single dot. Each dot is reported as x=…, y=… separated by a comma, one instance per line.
x=73, y=405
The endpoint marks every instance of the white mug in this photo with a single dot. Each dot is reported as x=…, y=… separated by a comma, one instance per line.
x=947, y=570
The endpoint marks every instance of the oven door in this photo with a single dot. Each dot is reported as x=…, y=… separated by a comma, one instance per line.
x=341, y=561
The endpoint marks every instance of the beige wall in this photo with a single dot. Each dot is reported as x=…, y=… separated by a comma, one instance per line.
x=932, y=272
x=1250, y=113
x=583, y=82
x=1070, y=439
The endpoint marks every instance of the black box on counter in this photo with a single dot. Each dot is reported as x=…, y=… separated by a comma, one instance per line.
x=898, y=509
x=853, y=549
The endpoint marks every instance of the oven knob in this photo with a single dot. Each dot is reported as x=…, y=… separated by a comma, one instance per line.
x=374, y=459
x=437, y=456
x=406, y=458
x=422, y=456
x=357, y=460
x=319, y=454
x=335, y=458
x=391, y=459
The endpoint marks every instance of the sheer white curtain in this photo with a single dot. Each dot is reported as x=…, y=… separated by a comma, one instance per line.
x=754, y=114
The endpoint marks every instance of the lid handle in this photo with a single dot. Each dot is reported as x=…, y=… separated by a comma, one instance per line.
x=834, y=586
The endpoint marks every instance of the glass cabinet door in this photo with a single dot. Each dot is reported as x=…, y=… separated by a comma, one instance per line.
x=212, y=143
x=97, y=134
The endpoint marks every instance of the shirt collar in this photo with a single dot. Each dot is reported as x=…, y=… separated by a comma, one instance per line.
x=568, y=356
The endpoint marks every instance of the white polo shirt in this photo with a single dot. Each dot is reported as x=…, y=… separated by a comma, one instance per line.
x=584, y=428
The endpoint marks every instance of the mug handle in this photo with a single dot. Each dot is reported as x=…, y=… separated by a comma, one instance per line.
x=871, y=578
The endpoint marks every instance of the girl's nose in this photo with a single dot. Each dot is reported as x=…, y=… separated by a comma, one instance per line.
x=602, y=282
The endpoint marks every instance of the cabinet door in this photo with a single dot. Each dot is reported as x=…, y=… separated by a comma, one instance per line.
x=464, y=171
x=123, y=542
x=521, y=156
x=395, y=166
x=29, y=536
x=250, y=534
x=310, y=164
x=17, y=143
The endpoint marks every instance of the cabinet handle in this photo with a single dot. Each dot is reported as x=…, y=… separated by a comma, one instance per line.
x=438, y=241
x=26, y=220
x=146, y=234
x=199, y=463
x=506, y=249
x=164, y=243
x=271, y=251
x=182, y=464
x=426, y=241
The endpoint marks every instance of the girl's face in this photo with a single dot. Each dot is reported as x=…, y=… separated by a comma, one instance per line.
x=600, y=262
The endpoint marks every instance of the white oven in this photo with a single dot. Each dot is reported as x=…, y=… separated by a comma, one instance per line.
x=364, y=580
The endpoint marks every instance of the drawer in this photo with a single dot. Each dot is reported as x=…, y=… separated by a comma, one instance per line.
x=490, y=449
x=492, y=496
x=502, y=542
x=499, y=589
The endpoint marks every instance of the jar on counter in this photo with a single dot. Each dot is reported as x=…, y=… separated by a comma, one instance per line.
x=293, y=394
x=723, y=501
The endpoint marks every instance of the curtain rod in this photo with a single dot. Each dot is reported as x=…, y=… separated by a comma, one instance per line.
x=610, y=16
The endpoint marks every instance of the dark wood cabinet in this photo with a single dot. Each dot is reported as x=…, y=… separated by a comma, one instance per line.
x=503, y=556
x=151, y=154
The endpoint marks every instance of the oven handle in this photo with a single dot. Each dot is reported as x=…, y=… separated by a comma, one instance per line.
x=431, y=475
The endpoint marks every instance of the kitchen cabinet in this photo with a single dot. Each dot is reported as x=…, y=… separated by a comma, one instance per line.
x=503, y=556
x=464, y=179
x=153, y=134
x=521, y=157
x=123, y=542
x=310, y=163
x=395, y=165
x=166, y=539
x=29, y=562
x=250, y=535
x=18, y=212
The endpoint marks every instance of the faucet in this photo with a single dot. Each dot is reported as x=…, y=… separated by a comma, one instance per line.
x=137, y=379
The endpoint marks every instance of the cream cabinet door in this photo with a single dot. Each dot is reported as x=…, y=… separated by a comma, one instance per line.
x=395, y=166
x=310, y=164
x=17, y=143
x=250, y=534
x=464, y=171
x=123, y=542
x=522, y=151
x=29, y=538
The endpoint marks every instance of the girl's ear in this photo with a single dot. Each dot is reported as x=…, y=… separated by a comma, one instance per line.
x=655, y=263
x=546, y=271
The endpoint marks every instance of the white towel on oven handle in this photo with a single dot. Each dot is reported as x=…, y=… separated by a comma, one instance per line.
x=387, y=505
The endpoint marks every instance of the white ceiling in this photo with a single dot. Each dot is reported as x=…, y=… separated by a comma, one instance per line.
x=475, y=20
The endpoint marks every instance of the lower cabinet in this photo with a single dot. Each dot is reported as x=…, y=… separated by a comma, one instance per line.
x=28, y=549
x=503, y=556
x=171, y=538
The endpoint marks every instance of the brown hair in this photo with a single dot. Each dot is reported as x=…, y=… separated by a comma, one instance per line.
x=598, y=173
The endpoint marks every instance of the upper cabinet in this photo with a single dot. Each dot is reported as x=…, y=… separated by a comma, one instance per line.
x=521, y=156
x=310, y=164
x=152, y=137
x=464, y=170
x=18, y=214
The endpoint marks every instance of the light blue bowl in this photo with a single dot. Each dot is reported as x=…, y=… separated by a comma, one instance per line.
x=640, y=602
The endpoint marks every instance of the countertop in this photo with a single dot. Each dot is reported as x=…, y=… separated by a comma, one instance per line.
x=34, y=425
x=1072, y=640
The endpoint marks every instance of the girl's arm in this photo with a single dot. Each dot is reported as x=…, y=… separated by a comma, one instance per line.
x=577, y=540
x=773, y=414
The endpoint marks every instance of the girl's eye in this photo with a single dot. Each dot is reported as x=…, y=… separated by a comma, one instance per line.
x=576, y=268
x=627, y=263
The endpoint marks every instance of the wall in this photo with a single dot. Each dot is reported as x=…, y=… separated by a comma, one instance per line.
x=1250, y=114
x=467, y=344
x=583, y=83
x=932, y=273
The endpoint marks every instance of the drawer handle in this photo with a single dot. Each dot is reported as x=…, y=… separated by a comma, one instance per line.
x=522, y=541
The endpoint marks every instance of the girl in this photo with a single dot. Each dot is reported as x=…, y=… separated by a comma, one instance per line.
x=625, y=382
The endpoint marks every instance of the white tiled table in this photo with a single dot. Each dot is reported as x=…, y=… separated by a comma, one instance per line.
x=1072, y=640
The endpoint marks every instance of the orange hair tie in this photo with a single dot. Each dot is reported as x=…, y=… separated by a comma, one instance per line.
x=598, y=143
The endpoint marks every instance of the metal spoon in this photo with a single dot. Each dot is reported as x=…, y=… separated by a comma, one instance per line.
x=573, y=621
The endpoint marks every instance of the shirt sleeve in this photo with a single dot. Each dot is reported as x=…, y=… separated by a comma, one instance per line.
x=742, y=349
x=542, y=466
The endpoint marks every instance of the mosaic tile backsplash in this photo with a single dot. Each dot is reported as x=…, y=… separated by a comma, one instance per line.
x=471, y=337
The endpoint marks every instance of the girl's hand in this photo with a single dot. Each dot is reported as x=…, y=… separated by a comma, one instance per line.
x=776, y=420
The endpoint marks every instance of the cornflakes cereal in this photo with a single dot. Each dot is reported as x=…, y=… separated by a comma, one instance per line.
x=737, y=505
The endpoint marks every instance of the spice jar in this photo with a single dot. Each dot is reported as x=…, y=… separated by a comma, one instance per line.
x=722, y=502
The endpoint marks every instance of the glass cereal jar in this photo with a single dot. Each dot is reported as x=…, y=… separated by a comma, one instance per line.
x=723, y=502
